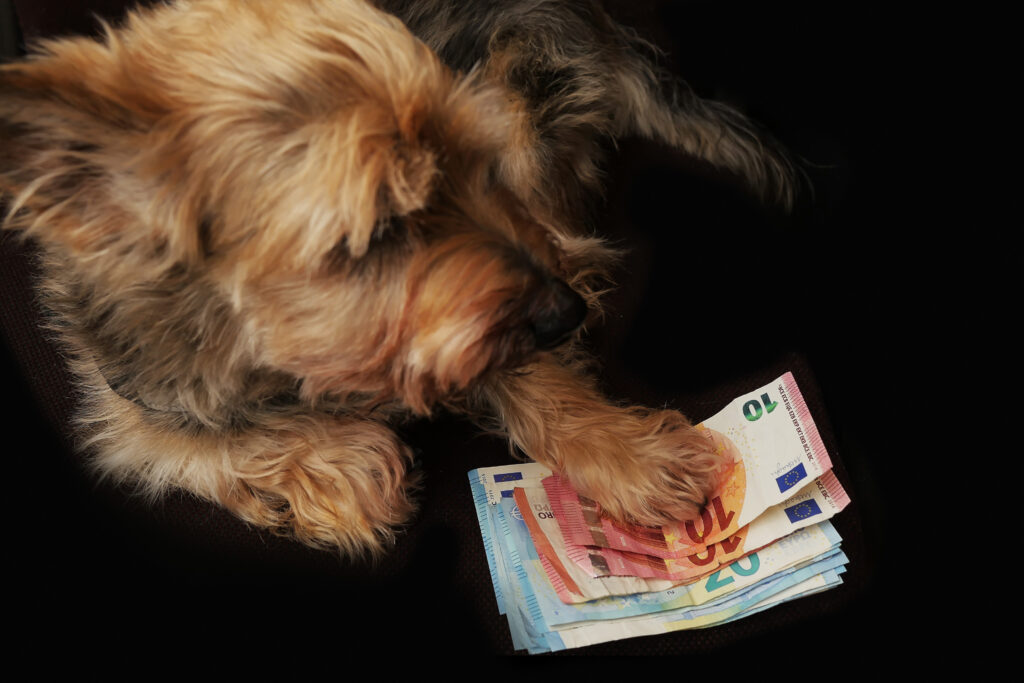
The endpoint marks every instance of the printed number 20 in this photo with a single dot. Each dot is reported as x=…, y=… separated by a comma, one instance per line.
x=752, y=409
x=715, y=581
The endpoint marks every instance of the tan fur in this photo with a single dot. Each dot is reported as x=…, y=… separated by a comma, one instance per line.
x=552, y=411
x=274, y=228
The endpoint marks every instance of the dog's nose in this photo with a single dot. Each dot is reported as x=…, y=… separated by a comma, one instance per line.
x=557, y=315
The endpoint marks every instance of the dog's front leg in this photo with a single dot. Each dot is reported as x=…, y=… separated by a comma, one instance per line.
x=332, y=482
x=336, y=482
x=641, y=465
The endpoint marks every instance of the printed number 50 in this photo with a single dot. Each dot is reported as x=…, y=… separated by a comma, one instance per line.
x=752, y=409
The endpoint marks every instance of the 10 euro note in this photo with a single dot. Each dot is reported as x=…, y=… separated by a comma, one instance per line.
x=771, y=449
x=574, y=583
x=818, y=501
x=567, y=578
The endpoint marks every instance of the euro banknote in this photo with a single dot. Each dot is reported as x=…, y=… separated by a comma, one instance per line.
x=570, y=582
x=488, y=485
x=816, y=584
x=573, y=585
x=593, y=633
x=819, y=501
x=551, y=602
x=532, y=631
x=772, y=450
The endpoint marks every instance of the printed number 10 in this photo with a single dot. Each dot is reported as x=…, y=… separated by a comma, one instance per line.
x=752, y=409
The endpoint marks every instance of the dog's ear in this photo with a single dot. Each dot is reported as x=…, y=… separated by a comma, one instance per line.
x=73, y=131
x=370, y=161
x=370, y=111
x=96, y=149
x=277, y=147
x=94, y=152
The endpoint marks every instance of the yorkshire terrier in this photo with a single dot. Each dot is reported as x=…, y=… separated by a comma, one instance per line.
x=274, y=229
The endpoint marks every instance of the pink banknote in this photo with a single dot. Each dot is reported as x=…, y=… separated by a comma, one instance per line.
x=773, y=450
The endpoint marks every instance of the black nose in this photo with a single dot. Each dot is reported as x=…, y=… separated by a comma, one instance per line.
x=557, y=314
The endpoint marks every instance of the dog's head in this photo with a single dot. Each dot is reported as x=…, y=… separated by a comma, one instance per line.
x=360, y=211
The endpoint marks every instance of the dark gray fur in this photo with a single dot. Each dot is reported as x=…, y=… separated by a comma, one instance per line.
x=570, y=59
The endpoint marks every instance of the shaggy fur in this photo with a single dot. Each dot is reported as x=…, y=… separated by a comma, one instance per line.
x=274, y=228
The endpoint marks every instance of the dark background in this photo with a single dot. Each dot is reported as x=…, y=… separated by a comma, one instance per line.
x=895, y=285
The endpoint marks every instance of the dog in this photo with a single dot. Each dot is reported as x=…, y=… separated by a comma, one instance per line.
x=273, y=230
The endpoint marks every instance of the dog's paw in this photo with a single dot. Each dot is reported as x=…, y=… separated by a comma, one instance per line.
x=344, y=485
x=661, y=470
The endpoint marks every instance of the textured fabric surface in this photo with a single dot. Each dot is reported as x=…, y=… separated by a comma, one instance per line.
x=716, y=296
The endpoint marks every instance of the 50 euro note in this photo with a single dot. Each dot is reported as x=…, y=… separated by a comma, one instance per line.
x=771, y=449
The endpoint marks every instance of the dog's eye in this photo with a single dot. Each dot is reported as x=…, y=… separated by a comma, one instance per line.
x=491, y=179
x=390, y=228
x=389, y=240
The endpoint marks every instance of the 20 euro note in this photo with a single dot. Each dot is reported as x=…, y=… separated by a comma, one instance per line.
x=488, y=486
x=771, y=450
x=816, y=577
x=546, y=622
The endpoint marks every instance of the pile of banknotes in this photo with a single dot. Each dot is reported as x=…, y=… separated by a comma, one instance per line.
x=567, y=576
